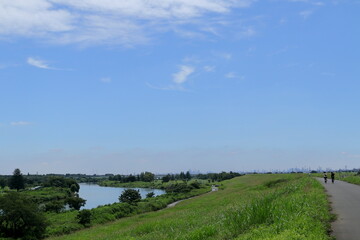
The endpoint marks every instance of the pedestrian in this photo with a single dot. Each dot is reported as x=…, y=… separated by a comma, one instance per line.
x=325, y=177
x=332, y=177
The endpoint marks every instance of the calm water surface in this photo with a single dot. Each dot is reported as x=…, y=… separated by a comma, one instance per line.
x=96, y=195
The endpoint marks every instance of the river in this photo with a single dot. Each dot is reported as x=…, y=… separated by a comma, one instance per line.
x=96, y=195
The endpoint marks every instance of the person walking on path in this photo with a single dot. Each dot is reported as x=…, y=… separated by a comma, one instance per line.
x=332, y=177
x=325, y=177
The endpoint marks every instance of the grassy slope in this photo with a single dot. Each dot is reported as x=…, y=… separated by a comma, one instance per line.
x=350, y=177
x=250, y=207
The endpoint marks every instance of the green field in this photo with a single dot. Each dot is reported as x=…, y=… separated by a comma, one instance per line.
x=248, y=207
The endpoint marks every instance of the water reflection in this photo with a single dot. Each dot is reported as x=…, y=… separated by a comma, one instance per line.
x=96, y=195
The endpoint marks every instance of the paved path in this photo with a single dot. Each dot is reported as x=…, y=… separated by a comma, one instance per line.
x=345, y=201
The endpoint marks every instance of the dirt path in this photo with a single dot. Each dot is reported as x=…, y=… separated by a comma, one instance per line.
x=345, y=201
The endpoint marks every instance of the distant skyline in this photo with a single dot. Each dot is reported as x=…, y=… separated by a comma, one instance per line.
x=100, y=86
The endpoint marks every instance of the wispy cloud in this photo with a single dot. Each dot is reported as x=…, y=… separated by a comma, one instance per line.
x=106, y=21
x=233, y=75
x=38, y=63
x=224, y=55
x=178, y=80
x=106, y=80
x=181, y=76
x=20, y=123
x=306, y=14
x=230, y=75
x=209, y=68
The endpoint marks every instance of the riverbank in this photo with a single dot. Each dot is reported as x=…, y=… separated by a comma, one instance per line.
x=261, y=206
x=67, y=222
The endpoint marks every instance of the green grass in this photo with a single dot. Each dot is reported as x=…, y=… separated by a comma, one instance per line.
x=249, y=207
x=355, y=179
x=66, y=222
x=157, y=184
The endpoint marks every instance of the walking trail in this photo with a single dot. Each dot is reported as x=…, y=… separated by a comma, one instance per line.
x=345, y=202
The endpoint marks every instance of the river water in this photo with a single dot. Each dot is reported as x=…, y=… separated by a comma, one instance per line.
x=96, y=195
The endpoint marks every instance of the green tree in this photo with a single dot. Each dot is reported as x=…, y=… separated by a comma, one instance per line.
x=54, y=206
x=150, y=195
x=188, y=175
x=131, y=196
x=76, y=202
x=84, y=217
x=2, y=182
x=20, y=218
x=147, y=176
x=17, y=180
x=166, y=178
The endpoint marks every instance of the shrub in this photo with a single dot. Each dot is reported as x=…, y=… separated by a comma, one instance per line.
x=131, y=196
x=178, y=188
x=54, y=206
x=76, y=202
x=20, y=218
x=84, y=217
x=150, y=195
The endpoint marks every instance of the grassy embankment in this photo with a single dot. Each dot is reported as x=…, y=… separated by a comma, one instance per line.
x=249, y=207
x=157, y=184
x=350, y=177
x=67, y=222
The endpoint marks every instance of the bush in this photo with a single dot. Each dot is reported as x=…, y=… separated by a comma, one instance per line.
x=84, y=217
x=130, y=196
x=54, y=206
x=76, y=202
x=195, y=185
x=178, y=188
x=150, y=195
x=20, y=218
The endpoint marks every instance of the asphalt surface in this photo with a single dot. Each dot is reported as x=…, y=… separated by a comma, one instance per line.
x=345, y=202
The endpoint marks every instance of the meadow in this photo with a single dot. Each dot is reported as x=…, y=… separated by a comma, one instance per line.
x=350, y=177
x=260, y=206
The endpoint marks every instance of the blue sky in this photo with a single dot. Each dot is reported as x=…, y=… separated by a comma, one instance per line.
x=104, y=86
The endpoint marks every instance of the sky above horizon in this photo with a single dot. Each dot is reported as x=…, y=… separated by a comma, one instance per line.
x=110, y=86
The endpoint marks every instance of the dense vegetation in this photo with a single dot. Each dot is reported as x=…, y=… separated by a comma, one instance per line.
x=20, y=217
x=251, y=207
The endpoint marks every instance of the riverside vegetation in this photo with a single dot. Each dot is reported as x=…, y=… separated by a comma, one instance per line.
x=349, y=176
x=47, y=205
x=261, y=206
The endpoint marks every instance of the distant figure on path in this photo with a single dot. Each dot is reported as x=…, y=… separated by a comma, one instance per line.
x=332, y=177
x=325, y=177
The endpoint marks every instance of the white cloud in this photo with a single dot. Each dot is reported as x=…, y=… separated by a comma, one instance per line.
x=38, y=63
x=230, y=75
x=20, y=123
x=106, y=80
x=224, y=55
x=306, y=14
x=108, y=21
x=209, y=68
x=234, y=75
x=247, y=32
x=181, y=76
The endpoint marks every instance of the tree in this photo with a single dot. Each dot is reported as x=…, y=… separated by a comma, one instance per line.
x=2, y=183
x=178, y=188
x=182, y=176
x=131, y=196
x=150, y=195
x=84, y=217
x=76, y=202
x=147, y=177
x=188, y=175
x=166, y=178
x=20, y=218
x=17, y=180
x=54, y=206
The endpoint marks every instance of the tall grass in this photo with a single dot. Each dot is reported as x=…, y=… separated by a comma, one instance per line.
x=284, y=207
x=298, y=210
